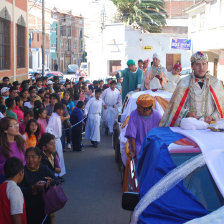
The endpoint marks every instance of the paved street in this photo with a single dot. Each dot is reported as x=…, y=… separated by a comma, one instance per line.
x=93, y=186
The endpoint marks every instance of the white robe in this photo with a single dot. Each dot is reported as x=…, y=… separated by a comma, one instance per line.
x=93, y=109
x=54, y=127
x=112, y=99
x=171, y=85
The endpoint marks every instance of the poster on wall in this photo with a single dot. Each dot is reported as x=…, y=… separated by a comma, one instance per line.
x=180, y=43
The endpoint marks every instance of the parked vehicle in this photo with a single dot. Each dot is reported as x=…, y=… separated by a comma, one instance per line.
x=53, y=73
x=45, y=70
x=50, y=75
x=31, y=74
x=73, y=69
x=84, y=69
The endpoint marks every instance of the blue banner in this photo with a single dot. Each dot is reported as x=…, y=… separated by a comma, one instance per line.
x=182, y=44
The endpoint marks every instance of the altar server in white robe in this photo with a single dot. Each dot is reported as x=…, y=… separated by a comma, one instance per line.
x=111, y=100
x=54, y=127
x=93, y=109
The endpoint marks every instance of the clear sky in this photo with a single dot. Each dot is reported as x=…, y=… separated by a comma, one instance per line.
x=76, y=6
x=90, y=9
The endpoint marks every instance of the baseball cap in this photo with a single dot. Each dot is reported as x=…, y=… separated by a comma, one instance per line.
x=4, y=90
x=49, y=82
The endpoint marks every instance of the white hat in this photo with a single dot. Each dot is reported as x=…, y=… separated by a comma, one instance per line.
x=49, y=82
x=155, y=55
x=4, y=90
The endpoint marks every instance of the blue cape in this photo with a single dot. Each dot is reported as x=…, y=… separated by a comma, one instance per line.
x=177, y=205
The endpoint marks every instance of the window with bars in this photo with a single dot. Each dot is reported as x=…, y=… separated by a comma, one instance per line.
x=20, y=46
x=69, y=30
x=4, y=44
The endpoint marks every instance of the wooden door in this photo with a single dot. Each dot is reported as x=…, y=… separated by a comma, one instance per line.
x=171, y=60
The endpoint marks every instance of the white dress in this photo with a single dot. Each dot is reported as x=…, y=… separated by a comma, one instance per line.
x=54, y=127
x=93, y=109
x=112, y=99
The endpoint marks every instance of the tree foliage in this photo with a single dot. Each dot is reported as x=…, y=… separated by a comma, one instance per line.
x=148, y=15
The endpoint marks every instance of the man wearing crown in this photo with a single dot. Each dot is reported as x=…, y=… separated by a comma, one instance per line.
x=198, y=95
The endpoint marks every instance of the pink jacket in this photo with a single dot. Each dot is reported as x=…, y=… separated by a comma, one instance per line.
x=19, y=113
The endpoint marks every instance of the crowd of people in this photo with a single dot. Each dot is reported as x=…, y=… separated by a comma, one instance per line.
x=41, y=118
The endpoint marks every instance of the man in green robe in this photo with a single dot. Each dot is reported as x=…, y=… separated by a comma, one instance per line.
x=132, y=78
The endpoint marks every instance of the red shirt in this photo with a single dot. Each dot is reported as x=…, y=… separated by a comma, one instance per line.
x=19, y=113
x=22, y=127
x=5, y=213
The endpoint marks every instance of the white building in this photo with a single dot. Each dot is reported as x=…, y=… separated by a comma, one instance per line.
x=118, y=43
x=206, y=29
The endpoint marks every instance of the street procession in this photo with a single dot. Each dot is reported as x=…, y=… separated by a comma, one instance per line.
x=111, y=112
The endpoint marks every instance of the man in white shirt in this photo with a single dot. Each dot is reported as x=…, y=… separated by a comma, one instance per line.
x=111, y=100
x=93, y=109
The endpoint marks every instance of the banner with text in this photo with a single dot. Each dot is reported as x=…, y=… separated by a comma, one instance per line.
x=180, y=43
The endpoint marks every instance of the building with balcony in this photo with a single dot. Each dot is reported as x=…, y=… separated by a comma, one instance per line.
x=13, y=39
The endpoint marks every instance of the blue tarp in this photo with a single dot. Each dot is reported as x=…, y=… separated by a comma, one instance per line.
x=177, y=205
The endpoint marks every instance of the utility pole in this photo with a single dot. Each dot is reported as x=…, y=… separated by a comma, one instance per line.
x=43, y=38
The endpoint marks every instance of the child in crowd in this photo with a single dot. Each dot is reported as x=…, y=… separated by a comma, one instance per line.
x=49, y=153
x=5, y=92
x=11, y=142
x=46, y=100
x=10, y=104
x=68, y=102
x=25, y=95
x=31, y=136
x=70, y=105
x=77, y=116
x=2, y=100
x=41, y=93
x=36, y=178
x=18, y=110
x=33, y=98
x=12, y=206
x=54, y=98
x=89, y=93
x=37, y=106
x=82, y=94
x=28, y=115
x=42, y=120
x=2, y=111
x=54, y=127
x=93, y=109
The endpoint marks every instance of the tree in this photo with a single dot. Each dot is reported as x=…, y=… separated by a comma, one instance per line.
x=148, y=15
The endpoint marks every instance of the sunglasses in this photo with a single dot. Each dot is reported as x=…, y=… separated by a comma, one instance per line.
x=33, y=96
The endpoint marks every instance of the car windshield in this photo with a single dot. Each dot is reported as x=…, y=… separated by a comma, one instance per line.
x=73, y=66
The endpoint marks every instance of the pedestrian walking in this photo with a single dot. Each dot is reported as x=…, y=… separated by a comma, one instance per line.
x=111, y=99
x=93, y=109
x=76, y=117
